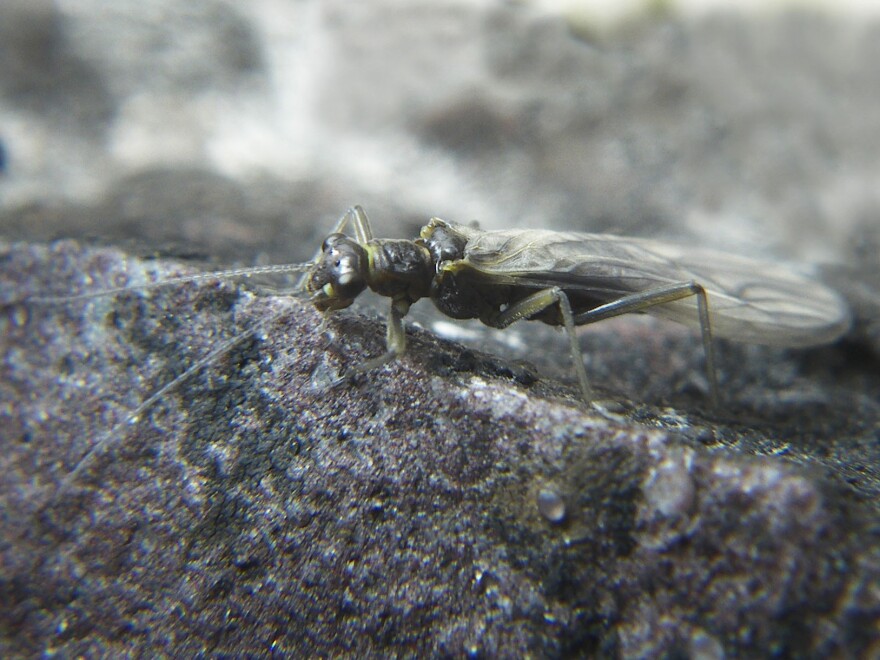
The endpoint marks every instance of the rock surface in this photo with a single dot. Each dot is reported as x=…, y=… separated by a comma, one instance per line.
x=461, y=501
x=253, y=507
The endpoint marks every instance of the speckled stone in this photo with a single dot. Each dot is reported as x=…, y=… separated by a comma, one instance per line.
x=253, y=509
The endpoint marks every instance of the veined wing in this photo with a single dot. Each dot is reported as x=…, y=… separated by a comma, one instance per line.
x=749, y=300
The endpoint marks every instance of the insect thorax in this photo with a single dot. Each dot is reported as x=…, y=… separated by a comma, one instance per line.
x=454, y=293
x=443, y=241
x=399, y=269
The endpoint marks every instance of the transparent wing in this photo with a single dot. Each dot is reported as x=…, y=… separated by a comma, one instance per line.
x=750, y=300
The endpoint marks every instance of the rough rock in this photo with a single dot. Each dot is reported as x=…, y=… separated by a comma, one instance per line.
x=461, y=501
x=254, y=507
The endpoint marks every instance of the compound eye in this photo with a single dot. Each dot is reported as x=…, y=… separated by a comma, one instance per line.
x=346, y=269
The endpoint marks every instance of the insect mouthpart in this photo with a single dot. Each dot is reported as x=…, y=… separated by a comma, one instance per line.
x=338, y=275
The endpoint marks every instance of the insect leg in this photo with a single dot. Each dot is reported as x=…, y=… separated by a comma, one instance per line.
x=395, y=342
x=356, y=215
x=532, y=305
x=641, y=301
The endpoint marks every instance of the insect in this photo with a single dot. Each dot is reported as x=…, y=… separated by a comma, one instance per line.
x=560, y=278
x=571, y=279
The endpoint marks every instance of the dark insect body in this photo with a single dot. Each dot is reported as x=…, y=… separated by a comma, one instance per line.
x=560, y=278
x=571, y=279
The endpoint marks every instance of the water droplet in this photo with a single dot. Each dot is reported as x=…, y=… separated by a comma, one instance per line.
x=551, y=505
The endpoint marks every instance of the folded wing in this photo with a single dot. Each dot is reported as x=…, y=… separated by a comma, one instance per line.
x=750, y=300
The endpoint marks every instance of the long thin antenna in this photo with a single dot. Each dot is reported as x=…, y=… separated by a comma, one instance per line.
x=198, y=277
x=135, y=415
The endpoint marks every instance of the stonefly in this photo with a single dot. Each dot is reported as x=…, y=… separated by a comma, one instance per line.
x=561, y=278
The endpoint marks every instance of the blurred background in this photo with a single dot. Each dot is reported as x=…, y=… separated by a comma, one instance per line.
x=241, y=131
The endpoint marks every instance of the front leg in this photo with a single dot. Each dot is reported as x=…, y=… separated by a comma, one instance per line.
x=395, y=343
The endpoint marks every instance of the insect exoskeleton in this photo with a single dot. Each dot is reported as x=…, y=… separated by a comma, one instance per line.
x=571, y=279
x=560, y=278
